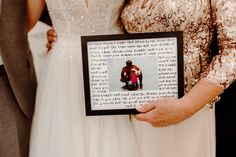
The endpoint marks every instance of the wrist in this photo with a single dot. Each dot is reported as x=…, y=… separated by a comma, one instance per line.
x=190, y=107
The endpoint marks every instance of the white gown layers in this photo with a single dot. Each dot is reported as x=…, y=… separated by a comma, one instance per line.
x=60, y=127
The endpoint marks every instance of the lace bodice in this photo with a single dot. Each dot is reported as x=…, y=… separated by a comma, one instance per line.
x=197, y=19
x=76, y=17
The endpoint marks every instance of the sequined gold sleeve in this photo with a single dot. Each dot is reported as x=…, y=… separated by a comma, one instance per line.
x=222, y=70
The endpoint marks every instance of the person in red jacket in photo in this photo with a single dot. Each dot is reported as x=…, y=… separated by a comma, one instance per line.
x=126, y=72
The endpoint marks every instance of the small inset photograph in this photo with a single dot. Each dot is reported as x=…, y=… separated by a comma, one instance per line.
x=132, y=74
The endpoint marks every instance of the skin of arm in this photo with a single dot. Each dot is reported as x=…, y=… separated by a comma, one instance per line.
x=34, y=11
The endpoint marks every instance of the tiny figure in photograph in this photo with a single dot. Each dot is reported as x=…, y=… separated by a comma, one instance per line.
x=126, y=72
x=134, y=79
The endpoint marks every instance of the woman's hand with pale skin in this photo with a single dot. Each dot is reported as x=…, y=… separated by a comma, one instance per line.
x=165, y=112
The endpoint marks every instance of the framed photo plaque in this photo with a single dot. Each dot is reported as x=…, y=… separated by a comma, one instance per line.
x=126, y=70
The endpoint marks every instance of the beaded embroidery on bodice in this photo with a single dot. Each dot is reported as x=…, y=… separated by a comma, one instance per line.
x=78, y=17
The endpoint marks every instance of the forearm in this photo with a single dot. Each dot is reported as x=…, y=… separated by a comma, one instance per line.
x=201, y=94
x=34, y=11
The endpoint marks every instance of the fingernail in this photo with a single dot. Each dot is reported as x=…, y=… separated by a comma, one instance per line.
x=139, y=107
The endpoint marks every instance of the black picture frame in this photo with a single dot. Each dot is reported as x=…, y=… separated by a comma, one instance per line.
x=86, y=40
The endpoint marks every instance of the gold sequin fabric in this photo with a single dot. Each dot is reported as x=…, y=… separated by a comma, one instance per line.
x=197, y=19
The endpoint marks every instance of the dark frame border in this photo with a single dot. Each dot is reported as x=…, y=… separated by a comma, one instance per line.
x=86, y=39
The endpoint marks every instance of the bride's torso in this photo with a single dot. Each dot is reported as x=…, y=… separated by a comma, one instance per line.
x=85, y=17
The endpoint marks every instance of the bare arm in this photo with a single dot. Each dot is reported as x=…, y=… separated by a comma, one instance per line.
x=34, y=11
x=201, y=94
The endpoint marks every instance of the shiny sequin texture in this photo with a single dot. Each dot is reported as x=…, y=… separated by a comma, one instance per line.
x=197, y=19
x=75, y=17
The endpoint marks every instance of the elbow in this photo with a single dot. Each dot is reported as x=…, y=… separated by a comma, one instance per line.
x=30, y=26
x=31, y=22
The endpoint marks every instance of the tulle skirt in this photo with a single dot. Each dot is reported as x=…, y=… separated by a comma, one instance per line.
x=60, y=127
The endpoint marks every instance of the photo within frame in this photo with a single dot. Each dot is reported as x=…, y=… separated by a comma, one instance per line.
x=124, y=71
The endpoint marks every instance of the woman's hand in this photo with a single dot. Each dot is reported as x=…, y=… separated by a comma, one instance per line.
x=164, y=112
x=171, y=111
x=51, y=37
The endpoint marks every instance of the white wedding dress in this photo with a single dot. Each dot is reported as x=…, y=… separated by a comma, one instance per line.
x=60, y=127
